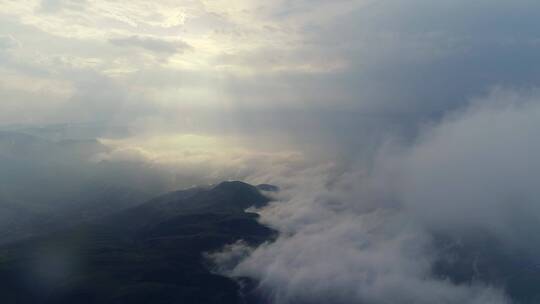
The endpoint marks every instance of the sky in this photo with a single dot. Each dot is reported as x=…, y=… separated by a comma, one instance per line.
x=384, y=121
x=305, y=74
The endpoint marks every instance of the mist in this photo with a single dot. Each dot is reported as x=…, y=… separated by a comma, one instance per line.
x=53, y=177
x=373, y=235
x=403, y=135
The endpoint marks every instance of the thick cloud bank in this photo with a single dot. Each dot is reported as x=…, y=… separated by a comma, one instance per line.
x=479, y=169
x=370, y=237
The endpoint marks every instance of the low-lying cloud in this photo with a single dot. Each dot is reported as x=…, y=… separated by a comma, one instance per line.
x=479, y=169
x=370, y=235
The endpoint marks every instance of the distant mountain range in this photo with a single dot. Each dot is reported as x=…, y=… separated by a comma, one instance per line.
x=151, y=253
x=46, y=185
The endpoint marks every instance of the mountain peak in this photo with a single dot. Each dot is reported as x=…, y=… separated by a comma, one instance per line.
x=233, y=185
x=242, y=194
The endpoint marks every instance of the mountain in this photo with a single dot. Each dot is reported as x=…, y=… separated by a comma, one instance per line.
x=151, y=253
x=49, y=185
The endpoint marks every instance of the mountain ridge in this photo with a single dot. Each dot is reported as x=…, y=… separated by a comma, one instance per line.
x=151, y=253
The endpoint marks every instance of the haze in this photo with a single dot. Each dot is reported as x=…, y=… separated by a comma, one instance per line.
x=387, y=124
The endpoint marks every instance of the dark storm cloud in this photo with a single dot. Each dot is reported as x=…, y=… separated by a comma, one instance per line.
x=423, y=58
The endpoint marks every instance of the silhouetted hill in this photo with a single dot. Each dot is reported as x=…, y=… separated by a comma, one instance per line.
x=151, y=253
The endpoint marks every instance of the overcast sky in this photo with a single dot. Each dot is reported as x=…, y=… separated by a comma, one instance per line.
x=310, y=75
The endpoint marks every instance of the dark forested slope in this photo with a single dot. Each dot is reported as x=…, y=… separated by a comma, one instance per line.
x=151, y=253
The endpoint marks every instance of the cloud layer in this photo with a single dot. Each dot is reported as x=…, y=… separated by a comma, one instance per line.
x=325, y=69
x=370, y=236
x=151, y=44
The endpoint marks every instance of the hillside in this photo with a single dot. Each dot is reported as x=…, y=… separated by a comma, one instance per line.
x=151, y=253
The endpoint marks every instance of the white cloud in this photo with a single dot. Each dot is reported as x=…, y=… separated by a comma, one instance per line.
x=369, y=235
x=329, y=251
x=152, y=44
x=52, y=6
x=479, y=169
x=7, y=42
